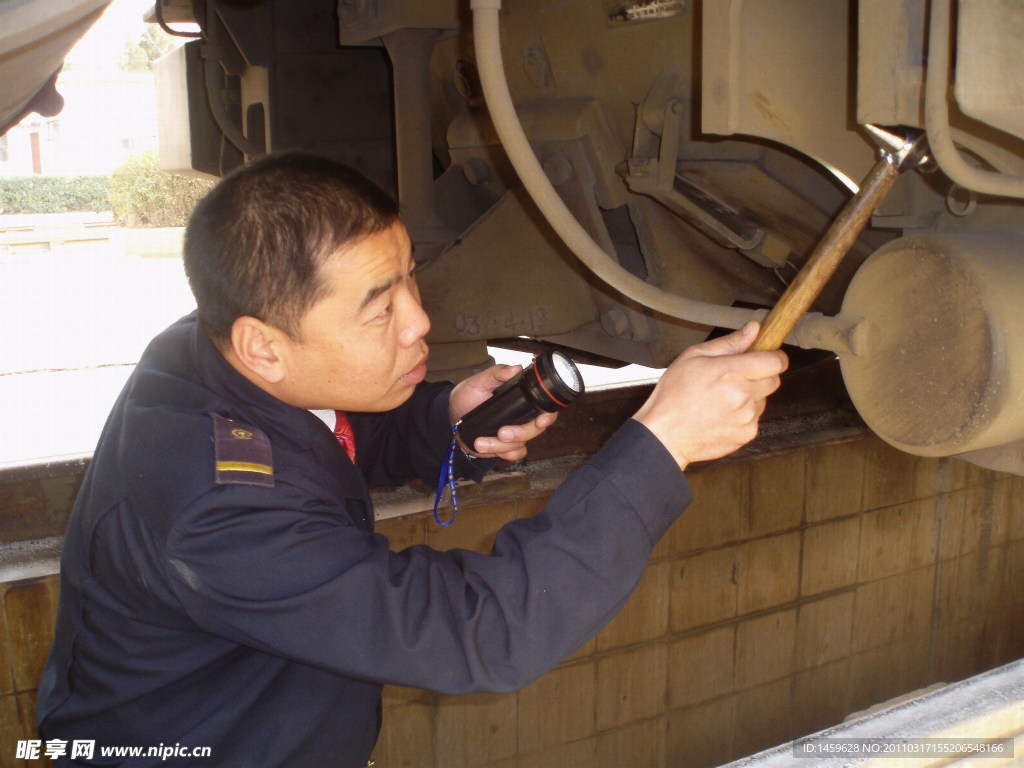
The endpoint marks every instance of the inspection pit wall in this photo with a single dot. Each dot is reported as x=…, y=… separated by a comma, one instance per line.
x=802, y=585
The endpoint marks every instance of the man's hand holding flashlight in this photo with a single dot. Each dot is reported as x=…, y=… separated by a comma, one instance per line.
x=510, y=442
x=708, y=401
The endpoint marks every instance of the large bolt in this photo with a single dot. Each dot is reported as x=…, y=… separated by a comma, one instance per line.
x=558, y=169
x=615, y=322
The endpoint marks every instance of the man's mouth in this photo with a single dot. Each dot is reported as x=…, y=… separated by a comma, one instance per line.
x=417, y=373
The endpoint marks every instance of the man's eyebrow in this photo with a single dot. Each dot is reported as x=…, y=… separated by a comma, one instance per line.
x=386, y=285
x=377, y=290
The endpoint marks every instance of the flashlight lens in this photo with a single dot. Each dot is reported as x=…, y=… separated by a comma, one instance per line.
x=567, y=372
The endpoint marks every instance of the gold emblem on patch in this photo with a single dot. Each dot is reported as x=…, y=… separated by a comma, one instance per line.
x=242, y=434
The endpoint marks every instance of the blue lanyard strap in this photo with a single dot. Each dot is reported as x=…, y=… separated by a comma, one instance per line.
x=448, y=473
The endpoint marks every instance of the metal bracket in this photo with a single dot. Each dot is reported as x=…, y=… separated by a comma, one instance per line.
x=656, y=178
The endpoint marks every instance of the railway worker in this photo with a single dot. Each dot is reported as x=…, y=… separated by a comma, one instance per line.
x=222, y=586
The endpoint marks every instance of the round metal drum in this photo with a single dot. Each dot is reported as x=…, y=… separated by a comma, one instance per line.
x=939, y=368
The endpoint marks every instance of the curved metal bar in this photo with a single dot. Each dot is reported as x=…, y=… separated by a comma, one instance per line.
x=936, y=116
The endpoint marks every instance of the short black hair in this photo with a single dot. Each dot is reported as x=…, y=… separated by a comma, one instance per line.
x=255, y=244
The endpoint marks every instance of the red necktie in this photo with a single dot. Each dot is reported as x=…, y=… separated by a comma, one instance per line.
x=343, y=431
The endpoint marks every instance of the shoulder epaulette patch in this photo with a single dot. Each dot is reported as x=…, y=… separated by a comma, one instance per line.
x=242, y=454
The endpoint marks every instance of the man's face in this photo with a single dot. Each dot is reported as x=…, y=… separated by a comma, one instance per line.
x=361, y=347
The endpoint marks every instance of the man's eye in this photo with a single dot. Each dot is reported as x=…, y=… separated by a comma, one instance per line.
x=386, y=312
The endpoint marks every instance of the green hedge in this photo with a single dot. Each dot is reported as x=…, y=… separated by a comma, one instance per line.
x=53, y=194
x=141, y=195
x=138, y=192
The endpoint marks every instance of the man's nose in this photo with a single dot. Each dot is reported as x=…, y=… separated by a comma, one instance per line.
x=416, y=322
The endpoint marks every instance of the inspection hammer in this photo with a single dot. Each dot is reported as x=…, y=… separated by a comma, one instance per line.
x=900, y=150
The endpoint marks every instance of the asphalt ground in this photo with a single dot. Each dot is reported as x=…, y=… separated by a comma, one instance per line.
x=73, y=322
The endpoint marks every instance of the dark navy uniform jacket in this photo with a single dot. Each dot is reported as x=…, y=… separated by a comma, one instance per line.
x=260, y=615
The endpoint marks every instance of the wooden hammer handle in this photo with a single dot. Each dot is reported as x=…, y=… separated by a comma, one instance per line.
x=822, y=263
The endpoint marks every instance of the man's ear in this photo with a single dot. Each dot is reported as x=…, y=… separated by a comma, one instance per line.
x=257, y=346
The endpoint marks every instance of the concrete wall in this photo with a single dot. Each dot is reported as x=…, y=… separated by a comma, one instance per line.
x=802, y=585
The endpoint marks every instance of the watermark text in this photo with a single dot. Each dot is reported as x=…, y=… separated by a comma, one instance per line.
x=34, y=749
x=900, y=747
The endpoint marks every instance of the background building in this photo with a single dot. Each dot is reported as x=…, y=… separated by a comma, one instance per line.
x=109, y=96
x=107, y=117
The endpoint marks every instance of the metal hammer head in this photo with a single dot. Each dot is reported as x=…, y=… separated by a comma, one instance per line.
x=904, y=148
